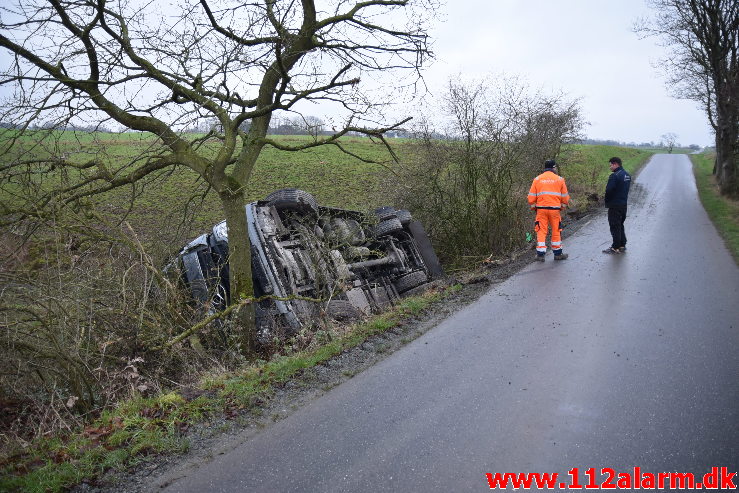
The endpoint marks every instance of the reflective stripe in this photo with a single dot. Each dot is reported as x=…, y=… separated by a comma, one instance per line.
x=558, y=194
x=556, y=244
x=541, y=249
x=541, y=243
x=548, y=191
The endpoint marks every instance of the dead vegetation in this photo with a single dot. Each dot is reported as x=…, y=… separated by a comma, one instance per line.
x=83, y=304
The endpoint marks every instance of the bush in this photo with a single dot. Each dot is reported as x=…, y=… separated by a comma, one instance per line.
x=83, y=305
x=468, y=185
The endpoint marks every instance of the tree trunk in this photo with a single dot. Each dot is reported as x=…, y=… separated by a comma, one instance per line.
x=239, y=251
x=726, y=164
x=726, y=149
x=729, y=185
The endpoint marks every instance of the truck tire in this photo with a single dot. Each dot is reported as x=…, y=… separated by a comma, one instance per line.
x=342, y=311
x=385, y=212
x=292, y=199
x=410, y=281
x=388, y=227
x=404, y=216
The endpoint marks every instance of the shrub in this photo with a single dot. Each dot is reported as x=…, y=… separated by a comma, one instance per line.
x=468, y=185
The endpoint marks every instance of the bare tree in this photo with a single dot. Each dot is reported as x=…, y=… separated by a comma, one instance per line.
x=669, y=140
x=703, y=65
x=312, y=125
x=159, y=72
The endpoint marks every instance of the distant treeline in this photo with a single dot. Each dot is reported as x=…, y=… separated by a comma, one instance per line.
x=645, y=145
x=314, y=126
x=51, y=126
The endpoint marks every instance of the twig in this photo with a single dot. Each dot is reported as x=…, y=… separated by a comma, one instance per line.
x=225, y=313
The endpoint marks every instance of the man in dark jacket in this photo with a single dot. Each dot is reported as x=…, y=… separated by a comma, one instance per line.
x=617, y=193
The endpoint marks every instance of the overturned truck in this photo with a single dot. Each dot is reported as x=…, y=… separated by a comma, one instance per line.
x=301, y=251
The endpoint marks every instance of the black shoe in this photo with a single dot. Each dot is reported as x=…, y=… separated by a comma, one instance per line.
x=540, y=258
x=611, y=251
x=622, y=249
x=561, y=256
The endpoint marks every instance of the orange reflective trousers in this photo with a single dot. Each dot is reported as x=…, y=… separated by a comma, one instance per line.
x=544, y=219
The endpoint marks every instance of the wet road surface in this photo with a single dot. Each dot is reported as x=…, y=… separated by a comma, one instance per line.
x=598, y=361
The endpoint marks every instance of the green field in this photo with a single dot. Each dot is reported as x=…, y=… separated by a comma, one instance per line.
x=333, y=177
x=173, y=206
x=179, y=205
x=586, y=166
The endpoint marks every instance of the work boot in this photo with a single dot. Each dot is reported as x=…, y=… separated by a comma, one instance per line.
x=561, y=256
x=611, y=251
x=540, y=258
x=622, y=249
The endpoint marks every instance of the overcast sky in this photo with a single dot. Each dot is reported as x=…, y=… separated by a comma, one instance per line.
x=584, y=48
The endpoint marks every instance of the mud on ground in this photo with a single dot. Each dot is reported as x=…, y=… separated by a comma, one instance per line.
x=220, y=434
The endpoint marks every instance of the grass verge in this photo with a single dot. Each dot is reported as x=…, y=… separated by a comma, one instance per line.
x=139, y=427
x=586, y=166
x=724, y=212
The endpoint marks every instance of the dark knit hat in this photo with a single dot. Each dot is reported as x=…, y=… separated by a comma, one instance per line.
x=549, y=164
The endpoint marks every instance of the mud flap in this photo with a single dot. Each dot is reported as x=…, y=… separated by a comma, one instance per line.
x=426, y=250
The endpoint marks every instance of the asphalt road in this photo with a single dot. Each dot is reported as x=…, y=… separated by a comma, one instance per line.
x=598, y=361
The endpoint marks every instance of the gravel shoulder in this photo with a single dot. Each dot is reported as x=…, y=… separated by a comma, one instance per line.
x=220, y=434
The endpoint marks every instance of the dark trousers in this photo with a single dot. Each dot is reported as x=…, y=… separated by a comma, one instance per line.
x=616, y=218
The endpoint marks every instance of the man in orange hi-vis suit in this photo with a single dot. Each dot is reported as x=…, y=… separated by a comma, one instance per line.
x=548, y=196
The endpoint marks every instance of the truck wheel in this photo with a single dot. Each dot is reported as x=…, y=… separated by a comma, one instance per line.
x=409, y=281
x=342, y=311
x=404, y=216
x=385, y=212
x=292, y=199
x=388, y=227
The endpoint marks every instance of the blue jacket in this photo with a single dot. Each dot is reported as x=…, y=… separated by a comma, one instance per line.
x=617, y=188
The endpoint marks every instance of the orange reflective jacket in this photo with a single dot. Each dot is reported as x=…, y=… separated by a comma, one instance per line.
x=549, y=191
